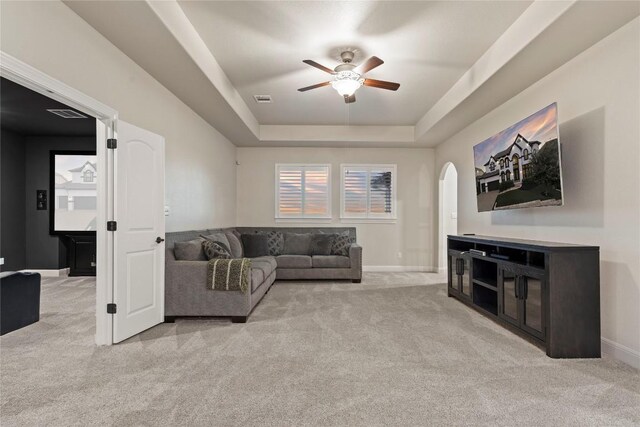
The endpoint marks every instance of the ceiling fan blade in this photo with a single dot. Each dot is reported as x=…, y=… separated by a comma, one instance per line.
x=304, y=89
x=318, y=66
x=350, y=99
x=381, y=84
x=368, y=65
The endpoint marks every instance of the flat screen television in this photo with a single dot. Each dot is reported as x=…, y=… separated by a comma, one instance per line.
x=73, y=200
x=520, y=167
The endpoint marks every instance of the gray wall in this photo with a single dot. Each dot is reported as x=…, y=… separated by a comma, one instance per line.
x=43, y=250
x=12, y=207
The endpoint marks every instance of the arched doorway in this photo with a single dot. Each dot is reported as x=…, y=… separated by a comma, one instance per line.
x=448, y=205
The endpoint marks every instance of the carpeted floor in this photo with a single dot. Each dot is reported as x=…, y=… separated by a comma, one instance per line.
x=393, y=350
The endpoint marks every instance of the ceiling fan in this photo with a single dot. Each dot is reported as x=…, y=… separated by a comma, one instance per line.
x=347, y=78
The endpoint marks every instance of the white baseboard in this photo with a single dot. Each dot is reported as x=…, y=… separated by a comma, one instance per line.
x=621, y=352
x=50, y=273
x=397, y=268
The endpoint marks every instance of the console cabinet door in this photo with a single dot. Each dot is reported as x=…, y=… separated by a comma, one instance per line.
x=532, y=318
x=508, y=301
x=465, y=277
x=454, y=271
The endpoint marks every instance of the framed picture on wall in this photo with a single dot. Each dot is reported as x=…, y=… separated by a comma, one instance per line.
x=73, y=198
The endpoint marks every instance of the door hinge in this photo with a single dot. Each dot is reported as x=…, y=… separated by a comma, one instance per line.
x=112, y=308
x=112, y=225
x=112, y=143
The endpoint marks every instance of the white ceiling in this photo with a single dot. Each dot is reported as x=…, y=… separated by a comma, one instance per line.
x=455, y=60
x=426, y=47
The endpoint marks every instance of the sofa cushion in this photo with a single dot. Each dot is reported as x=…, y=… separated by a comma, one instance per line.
x=341, y=244
x=257, y=277
x=255, y=245
x=294, y=261
x=234, y=244
x=331, y=261
x=275, y=242
x=261, y=268
x=321, y=244
x=190, y=250
x=297, y=244
x=265, y=262
x=216, y=250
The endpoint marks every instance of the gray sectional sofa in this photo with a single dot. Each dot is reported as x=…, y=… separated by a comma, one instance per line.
x=187, y=293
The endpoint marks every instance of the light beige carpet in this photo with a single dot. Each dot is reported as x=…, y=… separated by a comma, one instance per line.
x=393, y=350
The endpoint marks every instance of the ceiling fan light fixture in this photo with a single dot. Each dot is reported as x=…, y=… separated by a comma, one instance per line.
x=346, y=82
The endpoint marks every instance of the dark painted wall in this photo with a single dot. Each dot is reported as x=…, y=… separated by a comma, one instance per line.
x=43, y=250
x=12, y=207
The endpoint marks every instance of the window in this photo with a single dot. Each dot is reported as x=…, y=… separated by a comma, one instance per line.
x=87, y=176
x=501, y=163
x=368, y=192
x=303, y=191
x=492, y=166
x=526, y=154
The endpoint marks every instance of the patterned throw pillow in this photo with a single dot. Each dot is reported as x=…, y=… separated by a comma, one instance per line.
x=218, y=237
x=275, y=242
x=341, y=244
x=213, y=250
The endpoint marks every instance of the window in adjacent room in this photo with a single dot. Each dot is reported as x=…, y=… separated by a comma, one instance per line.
x=303, y=191
x=368, y=192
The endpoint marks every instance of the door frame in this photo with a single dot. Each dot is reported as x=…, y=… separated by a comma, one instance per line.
x=442, y=264
x=19, y=72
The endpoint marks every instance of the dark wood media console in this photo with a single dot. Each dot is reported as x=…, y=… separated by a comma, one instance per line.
x=546, y=292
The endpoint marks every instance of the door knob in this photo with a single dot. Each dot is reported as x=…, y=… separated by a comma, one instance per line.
x=159, y=239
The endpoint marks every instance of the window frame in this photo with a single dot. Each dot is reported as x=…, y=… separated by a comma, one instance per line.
x=302, y=217
x=368, y=216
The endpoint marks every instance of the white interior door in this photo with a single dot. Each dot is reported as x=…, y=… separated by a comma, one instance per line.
x=138, y=290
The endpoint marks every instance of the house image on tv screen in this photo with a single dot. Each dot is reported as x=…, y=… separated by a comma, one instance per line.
x=510, y=164
x=520, y=166
x=75, y=193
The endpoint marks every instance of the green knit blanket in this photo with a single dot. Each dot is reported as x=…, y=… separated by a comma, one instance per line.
x=229, y=274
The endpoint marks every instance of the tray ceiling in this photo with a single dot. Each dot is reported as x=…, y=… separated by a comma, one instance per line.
x=426, y=46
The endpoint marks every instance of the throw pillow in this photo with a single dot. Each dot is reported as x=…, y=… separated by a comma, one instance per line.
x=218, y=237
x=189, y=251
x=255, y=245
x=214, y=250
x=321, y=244
x=234, y=244
x=341, y=244
x=297, y=244
x=275, y=242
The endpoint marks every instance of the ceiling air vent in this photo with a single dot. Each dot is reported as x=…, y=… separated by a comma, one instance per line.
x=262, y=99
x=67, y=113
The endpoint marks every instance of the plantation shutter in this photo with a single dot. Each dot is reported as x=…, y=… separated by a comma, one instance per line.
x=380, y=196
x=355, y=191
x=303, y=191
x=368, y=191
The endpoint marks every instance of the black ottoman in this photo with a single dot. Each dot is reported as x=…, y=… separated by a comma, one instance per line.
x=19, y=300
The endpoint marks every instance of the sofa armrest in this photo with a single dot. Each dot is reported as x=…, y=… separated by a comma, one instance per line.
x=355, y=256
